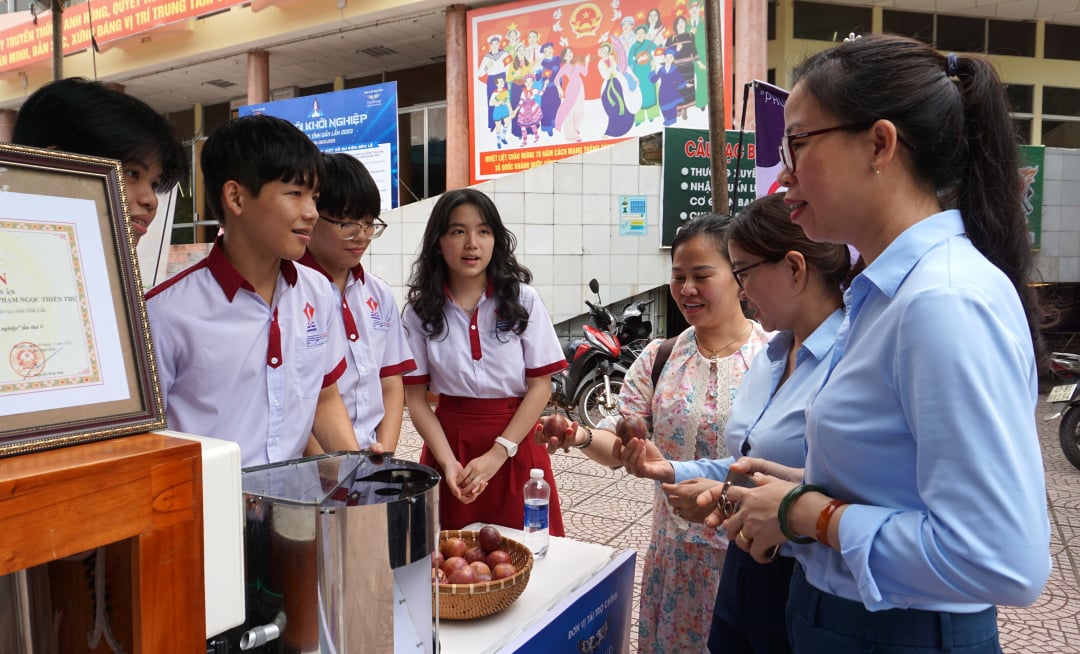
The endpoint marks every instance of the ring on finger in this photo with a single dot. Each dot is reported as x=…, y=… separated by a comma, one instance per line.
x=744, y=538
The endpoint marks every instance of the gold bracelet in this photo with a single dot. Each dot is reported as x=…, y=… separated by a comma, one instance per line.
x=588, y=438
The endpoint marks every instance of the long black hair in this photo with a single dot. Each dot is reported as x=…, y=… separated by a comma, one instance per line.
x=427, y=285
x=954, y=112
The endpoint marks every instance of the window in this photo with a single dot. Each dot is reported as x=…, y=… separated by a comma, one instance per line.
x=1061, y=117
x=909, y=23
x=1061, y=101
x=422, y=140
x=824, y=22
x=1023, y=130
x=1021, y=100
x=1061, y=133
x=1062, y=42
x=961, y=34
x=1021, y=97
x=770, y=21
x=1010, y=37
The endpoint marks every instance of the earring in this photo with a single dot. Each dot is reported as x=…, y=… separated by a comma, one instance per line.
x=873, y=167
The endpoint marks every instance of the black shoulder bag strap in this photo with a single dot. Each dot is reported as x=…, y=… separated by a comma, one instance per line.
x=662, y=355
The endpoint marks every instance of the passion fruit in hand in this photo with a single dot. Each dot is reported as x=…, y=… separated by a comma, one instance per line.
x=632, y=426
x=555, y=427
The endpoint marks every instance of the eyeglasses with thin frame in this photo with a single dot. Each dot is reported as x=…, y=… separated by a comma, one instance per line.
x=787, y=155
x=738, y=273
x=349, y=231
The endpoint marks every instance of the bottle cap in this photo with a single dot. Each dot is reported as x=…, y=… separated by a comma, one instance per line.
x=536, y=473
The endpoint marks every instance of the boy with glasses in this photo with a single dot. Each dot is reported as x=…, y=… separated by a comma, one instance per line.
x=377, y=354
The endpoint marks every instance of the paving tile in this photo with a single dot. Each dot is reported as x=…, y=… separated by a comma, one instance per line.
x=592, y=528
x=630, y=487
x=619, y=509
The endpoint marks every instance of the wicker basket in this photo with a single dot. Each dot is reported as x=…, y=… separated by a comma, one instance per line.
x=468, y=601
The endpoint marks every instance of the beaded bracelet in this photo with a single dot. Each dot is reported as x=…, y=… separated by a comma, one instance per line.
x=823, y=520
x=785, y=505
x=588, y=438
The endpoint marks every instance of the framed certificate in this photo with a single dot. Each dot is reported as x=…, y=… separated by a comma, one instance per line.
x=76, y=363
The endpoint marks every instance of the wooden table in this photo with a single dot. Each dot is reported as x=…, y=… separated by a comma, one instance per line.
x=143, y=490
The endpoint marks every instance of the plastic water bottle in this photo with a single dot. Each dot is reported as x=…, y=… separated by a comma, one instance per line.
x=537, y=497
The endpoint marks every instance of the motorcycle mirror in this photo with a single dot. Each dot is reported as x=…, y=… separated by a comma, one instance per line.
x=594, y=286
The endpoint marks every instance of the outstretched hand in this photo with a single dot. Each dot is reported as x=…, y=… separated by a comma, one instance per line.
x=560, y=439
x=642, y=458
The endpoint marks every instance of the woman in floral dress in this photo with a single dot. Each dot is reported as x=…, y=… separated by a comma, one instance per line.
x=688, y=410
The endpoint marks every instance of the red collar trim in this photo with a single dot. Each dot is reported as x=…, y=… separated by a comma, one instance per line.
x=230, y=280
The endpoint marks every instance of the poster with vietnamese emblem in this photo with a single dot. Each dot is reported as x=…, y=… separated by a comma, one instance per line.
x=552, y=79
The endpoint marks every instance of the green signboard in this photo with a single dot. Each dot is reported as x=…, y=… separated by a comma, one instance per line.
x=687, y=189
x=1031, y=174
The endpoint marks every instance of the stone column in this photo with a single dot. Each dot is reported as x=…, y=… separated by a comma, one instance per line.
x=751, y=52
x=457, y=99
x=7, y=124
x=258, y=76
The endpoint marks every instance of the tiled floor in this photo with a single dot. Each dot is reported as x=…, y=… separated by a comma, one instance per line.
x=613, y=508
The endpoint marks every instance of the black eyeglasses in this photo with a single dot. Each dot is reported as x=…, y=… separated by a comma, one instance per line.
x=737, y=273
x=349, y=231
x=787, y=155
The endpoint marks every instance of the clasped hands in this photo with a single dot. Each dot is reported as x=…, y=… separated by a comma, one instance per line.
x=468, y=481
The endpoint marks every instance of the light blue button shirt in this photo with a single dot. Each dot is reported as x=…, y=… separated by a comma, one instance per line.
x=772, y=419
x=926, y=424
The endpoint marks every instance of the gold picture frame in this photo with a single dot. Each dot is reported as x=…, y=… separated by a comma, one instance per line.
x=76, y=359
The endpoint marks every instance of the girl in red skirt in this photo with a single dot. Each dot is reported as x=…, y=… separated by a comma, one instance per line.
x=484, y=343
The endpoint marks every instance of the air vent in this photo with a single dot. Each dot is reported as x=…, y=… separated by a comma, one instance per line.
x=220, y=83
x=378, y=51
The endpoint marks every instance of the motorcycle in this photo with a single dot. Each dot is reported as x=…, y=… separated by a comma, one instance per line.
x=1066, y=367
x=591, y=382
x=633, y=330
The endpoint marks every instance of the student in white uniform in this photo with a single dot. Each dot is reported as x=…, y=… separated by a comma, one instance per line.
x=484, y=343
x=85, y=117
x=249, y=345
x=377, y=353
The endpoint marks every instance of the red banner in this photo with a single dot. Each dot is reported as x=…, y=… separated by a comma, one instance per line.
x=27, y=44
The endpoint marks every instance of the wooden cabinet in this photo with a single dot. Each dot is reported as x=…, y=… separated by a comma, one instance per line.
x=144, y=492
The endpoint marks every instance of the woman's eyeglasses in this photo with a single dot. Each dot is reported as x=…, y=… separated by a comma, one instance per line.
x=349, y=231
x=738, y=273
x=787, y=155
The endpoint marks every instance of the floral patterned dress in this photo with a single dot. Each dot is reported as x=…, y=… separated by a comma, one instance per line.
x=688, y=413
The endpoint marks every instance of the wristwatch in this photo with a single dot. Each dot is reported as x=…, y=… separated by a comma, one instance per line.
x=511, y=446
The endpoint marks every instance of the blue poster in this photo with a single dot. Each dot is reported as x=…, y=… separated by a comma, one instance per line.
x=361, y=121
x=595, y=620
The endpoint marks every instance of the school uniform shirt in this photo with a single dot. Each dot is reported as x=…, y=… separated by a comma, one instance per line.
x=926, y=424
x=376, y=346
x=768, y=420
x=232, y=367
x=471, y=358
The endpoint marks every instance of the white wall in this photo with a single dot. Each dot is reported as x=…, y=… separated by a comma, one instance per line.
x=1059, y=258
x=565, y=218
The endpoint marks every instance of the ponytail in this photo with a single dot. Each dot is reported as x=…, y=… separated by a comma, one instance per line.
x=989, y=193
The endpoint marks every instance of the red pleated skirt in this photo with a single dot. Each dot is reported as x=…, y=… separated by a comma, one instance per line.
x=471, y=426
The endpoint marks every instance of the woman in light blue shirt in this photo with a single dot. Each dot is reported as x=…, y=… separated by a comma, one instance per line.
x=794, y=285
x=922, y=504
